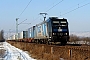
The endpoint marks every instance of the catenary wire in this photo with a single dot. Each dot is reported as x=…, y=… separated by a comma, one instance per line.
x=73, y=6
x=54, y=5
x=50, y=9
x=75, y=9
x=25, y=8
x=49, y=6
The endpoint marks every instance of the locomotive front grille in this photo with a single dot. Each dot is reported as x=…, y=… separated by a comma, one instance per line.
x=59, y=34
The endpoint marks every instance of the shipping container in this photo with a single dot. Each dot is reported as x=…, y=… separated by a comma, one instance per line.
x=31, y=32
x=13, y=37
x=23, y=34
x=18, y=35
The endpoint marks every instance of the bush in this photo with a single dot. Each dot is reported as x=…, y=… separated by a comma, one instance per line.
x=75, y=39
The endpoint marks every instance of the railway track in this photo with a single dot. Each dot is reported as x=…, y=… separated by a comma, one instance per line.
x=68, y=46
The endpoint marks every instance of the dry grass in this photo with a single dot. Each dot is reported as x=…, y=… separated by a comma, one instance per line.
x=45, y=52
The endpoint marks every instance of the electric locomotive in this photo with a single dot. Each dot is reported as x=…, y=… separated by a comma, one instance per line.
x=52, y=30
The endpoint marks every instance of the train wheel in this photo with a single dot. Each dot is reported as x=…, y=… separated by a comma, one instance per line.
x=48, y=43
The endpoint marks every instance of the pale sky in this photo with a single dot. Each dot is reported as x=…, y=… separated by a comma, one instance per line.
x=76, y=11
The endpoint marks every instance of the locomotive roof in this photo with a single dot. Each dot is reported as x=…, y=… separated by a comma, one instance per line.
x=51, y=18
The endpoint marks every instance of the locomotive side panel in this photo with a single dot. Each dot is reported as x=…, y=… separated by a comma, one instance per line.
x=41, y=31
x=49, y=28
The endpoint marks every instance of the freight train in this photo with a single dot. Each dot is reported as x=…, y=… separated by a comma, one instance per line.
x=52, y=30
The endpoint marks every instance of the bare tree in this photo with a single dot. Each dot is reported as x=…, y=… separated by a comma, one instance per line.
x=86, y=39
x=2, y=36
x=74, y=38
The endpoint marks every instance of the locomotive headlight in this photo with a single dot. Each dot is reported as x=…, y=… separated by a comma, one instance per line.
x=65, y=33
x=50, y=37
x=53, y=33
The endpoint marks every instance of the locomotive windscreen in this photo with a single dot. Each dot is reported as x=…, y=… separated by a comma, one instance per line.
x=59, y=25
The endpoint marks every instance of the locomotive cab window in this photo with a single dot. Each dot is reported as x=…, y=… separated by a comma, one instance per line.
x=63, y=23
x=55, y=23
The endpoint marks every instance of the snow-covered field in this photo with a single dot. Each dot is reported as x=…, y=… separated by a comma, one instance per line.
x=13, y=53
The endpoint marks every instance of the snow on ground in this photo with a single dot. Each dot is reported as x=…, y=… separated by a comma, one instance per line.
x=13, y=53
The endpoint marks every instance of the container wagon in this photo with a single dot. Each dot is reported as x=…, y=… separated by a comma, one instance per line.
x=22, y=36
x=31, y=34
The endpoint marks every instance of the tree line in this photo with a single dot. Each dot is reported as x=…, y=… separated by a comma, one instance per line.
x=75, y=39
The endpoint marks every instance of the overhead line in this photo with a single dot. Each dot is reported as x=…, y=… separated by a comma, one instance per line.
x=75, y=9
x=22, y=22
x=49, y=9
x=25, y=8
x=74, y=5
x=54, y=5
